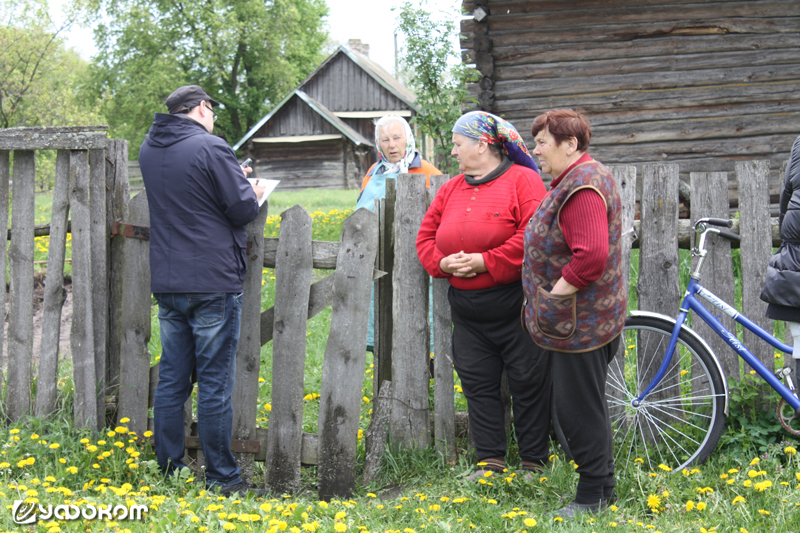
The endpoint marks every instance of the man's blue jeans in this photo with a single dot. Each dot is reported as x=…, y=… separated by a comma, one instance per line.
x=202, y=331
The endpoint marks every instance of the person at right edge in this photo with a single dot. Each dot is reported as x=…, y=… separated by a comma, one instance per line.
x=576, y=301
x=782, y=280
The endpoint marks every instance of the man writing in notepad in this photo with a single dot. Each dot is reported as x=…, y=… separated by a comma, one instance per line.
x=200, y=201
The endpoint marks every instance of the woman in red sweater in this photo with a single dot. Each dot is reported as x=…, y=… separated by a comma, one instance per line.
x=472, y=234
x=576, y=298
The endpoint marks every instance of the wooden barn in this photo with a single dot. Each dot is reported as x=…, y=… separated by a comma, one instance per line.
x=321, y=135
x=699, y=83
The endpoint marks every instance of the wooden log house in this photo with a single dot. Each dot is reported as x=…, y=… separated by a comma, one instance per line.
x=322, y=133
x=703, y=84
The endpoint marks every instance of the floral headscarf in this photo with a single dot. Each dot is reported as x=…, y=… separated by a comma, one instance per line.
x=384, y=166
x=493, y=129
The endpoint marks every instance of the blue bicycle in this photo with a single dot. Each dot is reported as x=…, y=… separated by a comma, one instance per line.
x=667, y=396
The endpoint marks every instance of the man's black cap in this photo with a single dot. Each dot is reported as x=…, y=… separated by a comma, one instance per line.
x=188, y=96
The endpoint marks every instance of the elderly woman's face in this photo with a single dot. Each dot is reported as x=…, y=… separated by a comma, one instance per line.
x=393, y=142
x=553, y=158
x=466, y=152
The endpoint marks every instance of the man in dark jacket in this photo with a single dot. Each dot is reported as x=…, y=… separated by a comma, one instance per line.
x=200, y=200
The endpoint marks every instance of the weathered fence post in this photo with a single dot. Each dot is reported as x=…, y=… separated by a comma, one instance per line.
x=377, y=434
x=659, y=287
x=129, y=325
x=116, y=210
x=410, y=340
x=248, y=352
x=293, y=274
x=345, y=357
x=82, y=335
x=54, y=291
x=444, y=425
x=4, y=178
x=659, y=263
x=20, y=314
x=710, y=199
x=99, y=274
x=756, y=250
x=625, y=176
x=384, y=321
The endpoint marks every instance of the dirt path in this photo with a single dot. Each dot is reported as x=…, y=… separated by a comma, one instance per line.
x=38, y=301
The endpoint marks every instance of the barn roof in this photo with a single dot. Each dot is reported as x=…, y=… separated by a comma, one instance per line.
x=386, y=83
x=386, y=80
x=355, y=137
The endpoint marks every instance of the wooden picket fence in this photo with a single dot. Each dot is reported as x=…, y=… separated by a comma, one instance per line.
x=401, y=307
x=110, y=268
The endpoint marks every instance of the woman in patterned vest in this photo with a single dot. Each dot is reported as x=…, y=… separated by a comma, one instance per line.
x=576, y=300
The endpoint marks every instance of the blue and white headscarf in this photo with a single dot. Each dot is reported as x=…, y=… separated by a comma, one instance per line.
x=384, y=166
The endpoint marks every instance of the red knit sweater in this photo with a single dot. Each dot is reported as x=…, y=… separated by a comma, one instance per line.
x=584, y=222
x=489, y=218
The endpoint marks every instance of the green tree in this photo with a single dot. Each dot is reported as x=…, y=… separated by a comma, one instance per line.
x=247, y=54
x=436, y=75
x=38, y=75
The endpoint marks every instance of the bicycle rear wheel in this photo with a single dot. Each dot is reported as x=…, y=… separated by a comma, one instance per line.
x=679, y=423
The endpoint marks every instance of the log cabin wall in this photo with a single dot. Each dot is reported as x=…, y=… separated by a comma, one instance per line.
x=321, y=165
x=701, y=84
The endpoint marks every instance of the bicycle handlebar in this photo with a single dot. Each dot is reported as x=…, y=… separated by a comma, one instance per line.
x=731, y=236
x=722, y=222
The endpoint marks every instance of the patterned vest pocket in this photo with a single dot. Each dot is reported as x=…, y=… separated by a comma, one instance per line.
x=555, y=315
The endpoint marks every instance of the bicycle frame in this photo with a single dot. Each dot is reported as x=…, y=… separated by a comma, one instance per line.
x=691, y=303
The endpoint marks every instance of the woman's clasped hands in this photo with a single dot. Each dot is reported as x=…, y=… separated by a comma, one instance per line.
x=462, y=265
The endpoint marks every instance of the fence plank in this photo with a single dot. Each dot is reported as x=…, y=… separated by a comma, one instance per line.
x=20, y=313
x=54, y=291
x=659, y=287
x=248, y=352
x=376, y=300
x=117, y=201
x=377, y=434
x=99, y=272
x=82, y=334
x=710, y=199
x=293, y=274
x=444, y=428
x=756, y=250
x=129, y=330
x=384, y=289
x=410, y=340
x=659, y=262
x=625, y=176
x=4, y=179
x=345, y=357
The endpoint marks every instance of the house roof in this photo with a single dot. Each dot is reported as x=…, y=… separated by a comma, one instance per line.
x=375, y=71
x=355, y=137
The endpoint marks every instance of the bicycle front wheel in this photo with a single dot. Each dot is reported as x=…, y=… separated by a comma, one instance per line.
x=679, y=423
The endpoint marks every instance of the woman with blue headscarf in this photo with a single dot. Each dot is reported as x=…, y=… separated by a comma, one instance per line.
x=472, y=235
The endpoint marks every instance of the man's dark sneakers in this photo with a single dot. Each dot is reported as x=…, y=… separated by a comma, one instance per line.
x=240, y=490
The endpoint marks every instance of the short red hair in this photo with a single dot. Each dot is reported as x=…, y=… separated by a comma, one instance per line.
x=564, y=124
